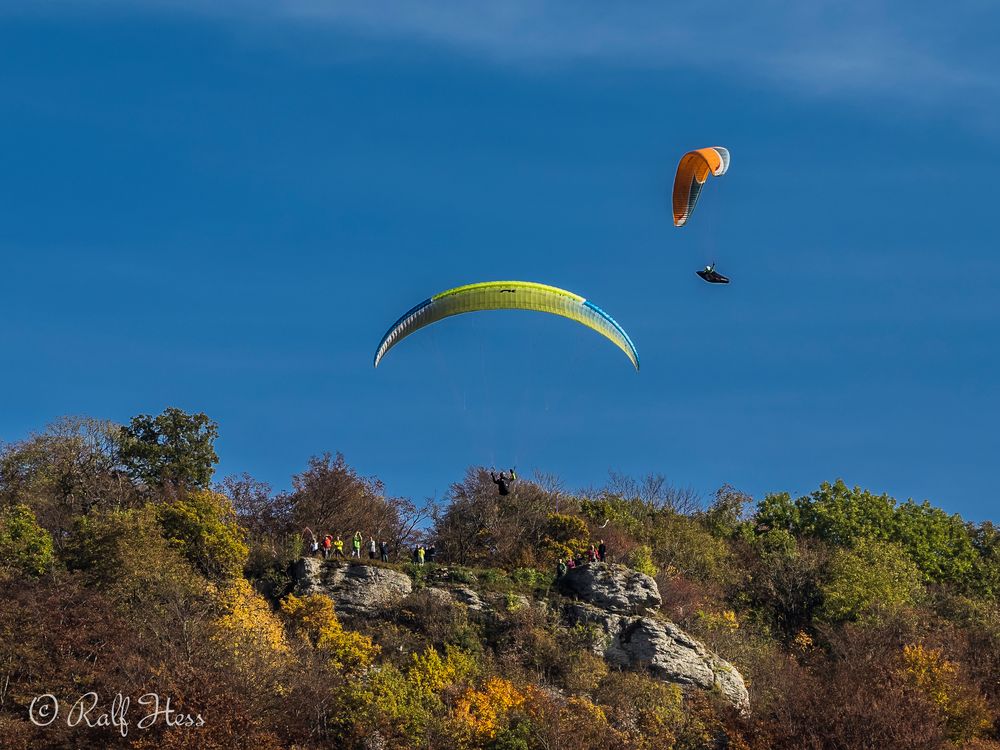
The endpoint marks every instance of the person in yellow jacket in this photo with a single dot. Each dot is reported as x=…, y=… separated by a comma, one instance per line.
x=338, y=547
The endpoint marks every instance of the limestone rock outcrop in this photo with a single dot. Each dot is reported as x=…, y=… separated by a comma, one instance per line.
x=660, y=646
x=614, y=588
x=622, y=603
x=355, y=589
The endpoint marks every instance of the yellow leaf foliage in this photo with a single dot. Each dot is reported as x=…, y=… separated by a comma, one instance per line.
x=965, y=712
x=313, y=618
x=347, y=650
x=404, y=704
x=802, y=641
x=247, y=622
x=250, y=637
x=483, y=711
x=725, y=620
x=431, y=672
x=309, y=615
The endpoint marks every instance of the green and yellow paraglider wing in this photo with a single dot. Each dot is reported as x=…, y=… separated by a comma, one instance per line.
x=692, y=172
x=507, y=295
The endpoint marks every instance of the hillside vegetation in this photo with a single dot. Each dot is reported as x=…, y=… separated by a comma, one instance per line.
x=857, y=621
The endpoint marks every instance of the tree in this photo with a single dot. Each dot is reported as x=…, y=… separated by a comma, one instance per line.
x=330, y=496
x=851, y=697
x=259, y=512
x=407, y=708
x=251, y=636
x=652, y=491
x=965, y=713
x=783, y=580
x=124, y=554
x=840, y=515
x=725, y=516
x=69, y=469
x=24, y=545
x=662, y=518
x=478, y=525
x=273, y=540
x=986, y=574
x=313, y=619
x=202, y=525
x=174, y=448
x=647, y=711
x=940, y=544
x=641, y=560
x=565, y=535
x=681, y=543
x=870, y=580
x=484, y=711
x=57, y=636
x=777, y=512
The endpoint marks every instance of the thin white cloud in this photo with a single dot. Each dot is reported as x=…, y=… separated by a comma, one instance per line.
x=911, y=50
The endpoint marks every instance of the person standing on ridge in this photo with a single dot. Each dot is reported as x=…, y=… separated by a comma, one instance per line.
x=384, y=549
x=356, y=544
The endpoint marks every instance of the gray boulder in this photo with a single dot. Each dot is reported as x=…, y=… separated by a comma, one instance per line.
x=614, y=588
x=440, y=597
x=470, y=599
x=355, y=589
x=670, y=654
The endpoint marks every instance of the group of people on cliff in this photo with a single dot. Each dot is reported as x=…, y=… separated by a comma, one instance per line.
x=423, y=554
x=596, y=553
x=333, y=546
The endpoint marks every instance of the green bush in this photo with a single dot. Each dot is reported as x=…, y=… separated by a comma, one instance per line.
x=417, y=572
x=460, y=574
x=494, y=578
x=202, y=524
x=641, y=560
x=24, y=545
x=529, y=579
x=868, y=581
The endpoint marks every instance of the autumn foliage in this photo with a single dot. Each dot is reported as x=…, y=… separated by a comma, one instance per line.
x=858, y=621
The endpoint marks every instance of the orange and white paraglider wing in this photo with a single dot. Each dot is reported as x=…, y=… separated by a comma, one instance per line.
x=692, y=172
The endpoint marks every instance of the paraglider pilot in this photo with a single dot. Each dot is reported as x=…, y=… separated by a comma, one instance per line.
x=712, y=276
x=502, y=482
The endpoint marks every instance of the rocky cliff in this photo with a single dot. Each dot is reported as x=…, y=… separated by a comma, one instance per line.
x=624, y=604
x=356, y=589
x=621, y=603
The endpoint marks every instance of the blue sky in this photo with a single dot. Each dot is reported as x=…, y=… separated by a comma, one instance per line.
x=223, y=210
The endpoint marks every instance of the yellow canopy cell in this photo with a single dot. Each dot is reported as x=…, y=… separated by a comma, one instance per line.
x=507, y=295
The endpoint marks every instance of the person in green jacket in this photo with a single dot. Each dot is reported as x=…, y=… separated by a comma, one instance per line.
x=356, y=545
